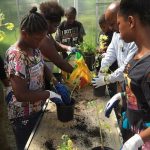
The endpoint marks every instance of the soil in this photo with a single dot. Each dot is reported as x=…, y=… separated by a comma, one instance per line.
x=49, y=145
x=100, y=148
x=83, y=130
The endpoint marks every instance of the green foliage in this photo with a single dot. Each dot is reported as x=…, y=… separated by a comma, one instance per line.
x=66, y=144
x=8, y=26
x=91, y=104
x=86, y=47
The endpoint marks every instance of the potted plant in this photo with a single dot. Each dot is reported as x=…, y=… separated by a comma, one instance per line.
x=65, y=112
x=88, y=50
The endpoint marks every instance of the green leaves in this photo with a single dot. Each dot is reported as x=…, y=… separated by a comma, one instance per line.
x=86, y=47
x=8, y=26
x=2, y=17
x=102, y=42
x=66, y=144
x=2, y=35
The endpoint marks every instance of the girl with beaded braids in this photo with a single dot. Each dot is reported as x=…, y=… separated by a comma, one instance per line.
x=134, y=25
x=25, y=69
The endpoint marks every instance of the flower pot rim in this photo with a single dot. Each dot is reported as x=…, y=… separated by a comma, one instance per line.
x=64, y=105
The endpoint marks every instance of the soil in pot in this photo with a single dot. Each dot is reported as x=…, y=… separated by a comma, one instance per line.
x=100, y=148
x=89, y=59
x=65, y=113
x=100, y=91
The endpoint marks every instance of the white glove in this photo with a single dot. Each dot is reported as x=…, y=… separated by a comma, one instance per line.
x=133, y=143
x=104, y=69
x=54, y=97
x=100, y=80
x=72, y=49
x=103, y=55
x=112, y=103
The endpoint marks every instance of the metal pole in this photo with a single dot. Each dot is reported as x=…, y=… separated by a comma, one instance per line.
x=76, y=6
x=97, y=17
x=18, y=14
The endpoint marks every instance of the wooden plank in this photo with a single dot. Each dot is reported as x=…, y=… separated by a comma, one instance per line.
x=83, y=130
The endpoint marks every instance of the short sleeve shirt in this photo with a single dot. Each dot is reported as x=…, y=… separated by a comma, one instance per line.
x=138, y=89
x=70, y=34
x=29, y=68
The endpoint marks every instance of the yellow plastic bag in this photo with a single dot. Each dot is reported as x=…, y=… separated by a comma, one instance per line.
x=81, y=75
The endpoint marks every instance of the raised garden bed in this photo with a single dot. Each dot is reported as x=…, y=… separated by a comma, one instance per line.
x=83, y=130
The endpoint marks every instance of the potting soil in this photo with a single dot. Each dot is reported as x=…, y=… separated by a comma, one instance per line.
x=83, y=130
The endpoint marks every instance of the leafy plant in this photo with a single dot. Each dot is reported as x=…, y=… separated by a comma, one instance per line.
x=87, y=47
x=102, y=43
x=8, y=26
x=66, y=144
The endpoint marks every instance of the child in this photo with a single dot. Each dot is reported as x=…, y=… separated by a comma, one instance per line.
x=70, y=32
x=105, y=35
x=104, y=41
x=25, y=69
x=134, y=25
x=53, y=12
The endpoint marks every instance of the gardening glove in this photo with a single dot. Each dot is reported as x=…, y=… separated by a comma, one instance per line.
x=112, y=103
x=100, y=80
x=64, y=92
x=133, y=143
x=72, y=49
x=54, y=97
x=104, y=69
x=103, y=55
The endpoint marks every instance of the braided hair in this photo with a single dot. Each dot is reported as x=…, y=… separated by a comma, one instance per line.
x=33, y=22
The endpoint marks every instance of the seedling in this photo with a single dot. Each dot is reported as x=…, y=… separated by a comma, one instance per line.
x=99, y=109
x=66, y=144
